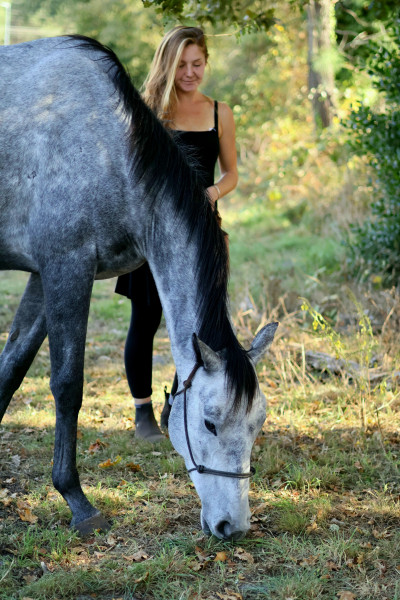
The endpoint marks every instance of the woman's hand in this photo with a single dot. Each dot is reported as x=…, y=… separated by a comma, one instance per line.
x=213, y=194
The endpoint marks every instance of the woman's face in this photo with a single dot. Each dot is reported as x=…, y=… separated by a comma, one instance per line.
x=190, y=71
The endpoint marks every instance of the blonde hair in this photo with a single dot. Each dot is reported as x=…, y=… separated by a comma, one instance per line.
x=159, y=87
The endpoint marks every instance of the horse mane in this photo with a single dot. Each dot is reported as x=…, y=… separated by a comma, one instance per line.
x=159, y=164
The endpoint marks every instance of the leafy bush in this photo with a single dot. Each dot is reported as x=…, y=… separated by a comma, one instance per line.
x=375, y=133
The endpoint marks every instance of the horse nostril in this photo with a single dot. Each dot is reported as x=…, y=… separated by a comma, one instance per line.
x=224, y=529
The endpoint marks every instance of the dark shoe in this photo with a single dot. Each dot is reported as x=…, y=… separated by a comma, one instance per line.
x=146, y=424
x=166, y=410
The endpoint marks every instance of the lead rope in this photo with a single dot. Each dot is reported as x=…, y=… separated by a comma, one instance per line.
x=201, y=468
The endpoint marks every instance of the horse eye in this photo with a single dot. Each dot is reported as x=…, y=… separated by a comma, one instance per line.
x=210, y=426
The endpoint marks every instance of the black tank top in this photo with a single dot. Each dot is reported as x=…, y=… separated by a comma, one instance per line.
x=202, y=147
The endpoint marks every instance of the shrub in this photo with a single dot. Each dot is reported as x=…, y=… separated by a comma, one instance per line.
x=375, y=133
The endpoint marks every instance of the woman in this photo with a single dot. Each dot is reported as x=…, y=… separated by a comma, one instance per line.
x=206, y=129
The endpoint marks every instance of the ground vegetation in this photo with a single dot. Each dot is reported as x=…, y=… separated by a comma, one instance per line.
x=325, y=499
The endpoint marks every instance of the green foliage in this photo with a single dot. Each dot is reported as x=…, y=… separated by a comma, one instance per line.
x=119, y=24
x=375, y=132
x=359, y=21
x=246, y=16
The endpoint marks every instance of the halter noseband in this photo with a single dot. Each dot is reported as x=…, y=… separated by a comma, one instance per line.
x=201, y=468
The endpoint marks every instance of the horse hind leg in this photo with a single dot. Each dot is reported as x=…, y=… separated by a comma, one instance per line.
x=26, y=336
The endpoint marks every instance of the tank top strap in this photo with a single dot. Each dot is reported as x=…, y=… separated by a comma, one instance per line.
x=216, y=116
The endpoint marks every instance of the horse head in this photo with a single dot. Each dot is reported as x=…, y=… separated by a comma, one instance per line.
x=216, y=439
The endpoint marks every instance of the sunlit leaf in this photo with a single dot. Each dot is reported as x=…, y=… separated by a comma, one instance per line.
x=25, y=513
x=110, y=463
x=220, y=557
x=96, y=446
x=346, y=595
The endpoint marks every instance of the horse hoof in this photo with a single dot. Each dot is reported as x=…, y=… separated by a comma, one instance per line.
x=95, y=523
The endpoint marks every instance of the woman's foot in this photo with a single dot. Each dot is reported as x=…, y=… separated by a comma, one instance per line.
x=146, y=424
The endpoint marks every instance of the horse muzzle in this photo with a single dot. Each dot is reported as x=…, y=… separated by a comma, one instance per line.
x=225, y=528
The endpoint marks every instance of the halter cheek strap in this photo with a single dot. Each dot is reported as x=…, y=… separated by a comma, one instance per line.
x=201, y=468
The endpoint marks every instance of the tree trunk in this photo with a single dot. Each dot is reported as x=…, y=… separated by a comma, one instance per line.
x=321, y=81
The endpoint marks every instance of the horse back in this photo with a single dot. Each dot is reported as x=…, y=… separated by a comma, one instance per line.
x=64, y=170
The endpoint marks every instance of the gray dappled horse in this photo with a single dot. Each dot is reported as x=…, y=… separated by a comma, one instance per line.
x=91, y=186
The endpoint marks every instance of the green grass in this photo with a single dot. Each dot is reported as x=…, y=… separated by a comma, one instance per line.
x=265, y=244
x=325, y=496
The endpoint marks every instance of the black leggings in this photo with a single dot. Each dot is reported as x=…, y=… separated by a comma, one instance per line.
x=145, y=320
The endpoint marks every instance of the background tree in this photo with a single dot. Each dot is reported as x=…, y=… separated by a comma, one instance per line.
x=321, y=59
x=253, y=16
x=374, y=132
x=265, y=76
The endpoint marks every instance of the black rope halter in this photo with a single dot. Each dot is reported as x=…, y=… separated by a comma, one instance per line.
x=201, y=468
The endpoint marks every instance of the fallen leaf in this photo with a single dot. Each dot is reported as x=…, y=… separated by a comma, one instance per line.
x=380, y=535
x=4, y=497
x=110, y=463
x=243, y=555
x=111, y=540
x=337, y=522
x=332, y=566
x=220, y=557
x=258, y=509
x=346, y=595
x=382, y=567
x=197, y=566
x=136, y=556
x=128, y=423
x=25, y=513
x=229, y=595
x=96, y=446
x=134, y=467
x=306, y=562
x=311, y=528
x=201, y=554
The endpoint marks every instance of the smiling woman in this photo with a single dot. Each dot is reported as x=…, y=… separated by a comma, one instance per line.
x=190, y=71
x=205, y=132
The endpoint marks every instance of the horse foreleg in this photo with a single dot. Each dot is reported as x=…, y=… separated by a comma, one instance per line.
x=26, y=336
x=67, y=308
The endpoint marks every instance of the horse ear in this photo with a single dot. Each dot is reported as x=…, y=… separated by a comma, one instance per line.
x=204, y=355
x=262, y=342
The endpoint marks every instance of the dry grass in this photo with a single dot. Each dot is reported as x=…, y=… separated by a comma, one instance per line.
x=325, y=498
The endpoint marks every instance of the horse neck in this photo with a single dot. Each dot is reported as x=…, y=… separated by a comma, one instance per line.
x=174, y=268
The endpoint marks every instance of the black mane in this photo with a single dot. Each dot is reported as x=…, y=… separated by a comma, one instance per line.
x=159, y=165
